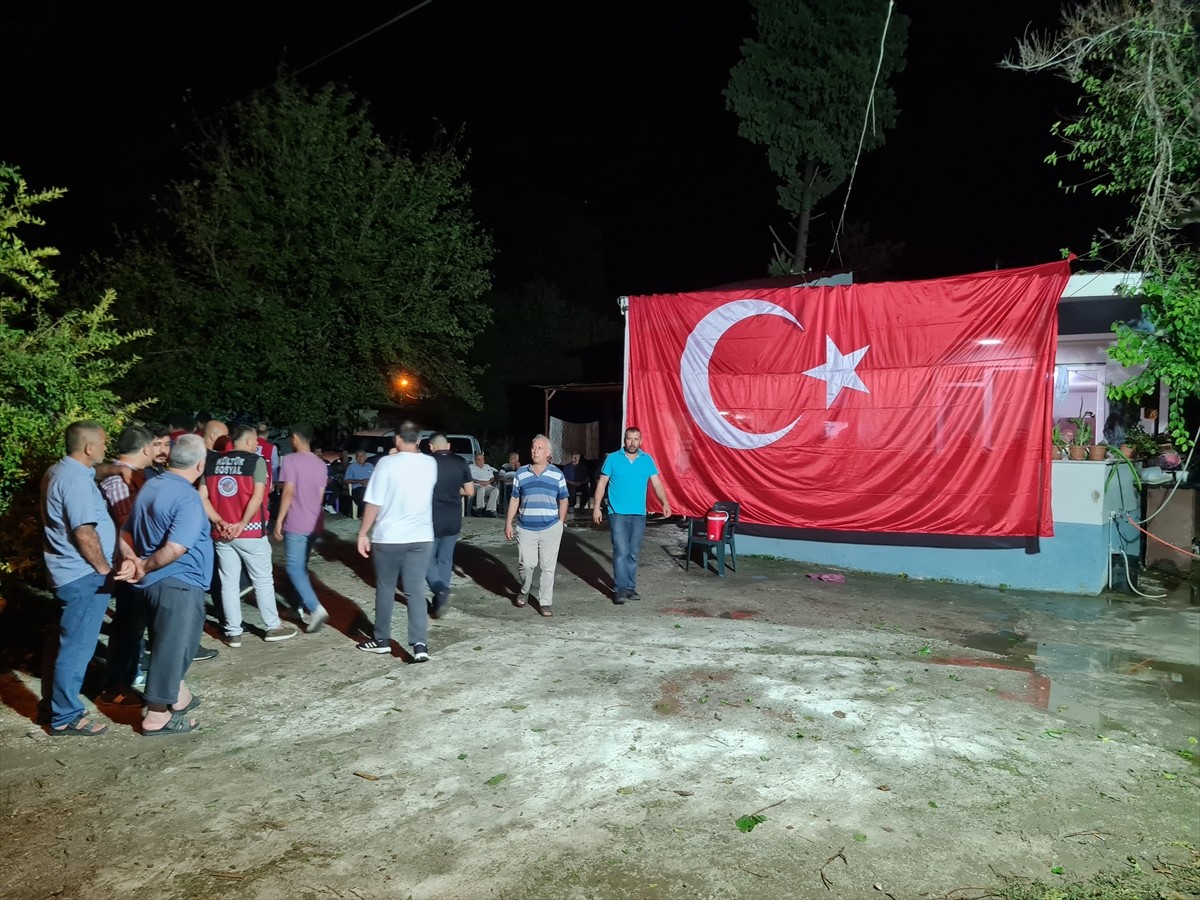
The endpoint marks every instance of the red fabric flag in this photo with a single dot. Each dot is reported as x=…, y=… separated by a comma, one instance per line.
x=915, y=407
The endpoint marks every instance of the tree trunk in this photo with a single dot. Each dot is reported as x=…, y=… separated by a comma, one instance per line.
x=800, y=256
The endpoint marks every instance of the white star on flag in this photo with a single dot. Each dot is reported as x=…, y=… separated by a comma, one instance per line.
x=838, y=371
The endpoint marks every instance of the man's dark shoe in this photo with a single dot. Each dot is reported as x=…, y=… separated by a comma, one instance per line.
x=437, y=608
x=420, y=653
x=203, y=653
x=619, y=598
x=633, y=595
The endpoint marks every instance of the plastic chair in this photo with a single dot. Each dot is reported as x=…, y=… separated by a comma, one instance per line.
x=698, y=537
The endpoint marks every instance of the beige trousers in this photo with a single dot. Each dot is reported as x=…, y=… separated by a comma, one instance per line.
x=538, y=549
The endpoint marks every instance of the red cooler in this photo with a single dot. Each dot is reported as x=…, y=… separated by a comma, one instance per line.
x=716, y=524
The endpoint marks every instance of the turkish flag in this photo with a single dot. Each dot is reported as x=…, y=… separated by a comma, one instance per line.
x=917, y=407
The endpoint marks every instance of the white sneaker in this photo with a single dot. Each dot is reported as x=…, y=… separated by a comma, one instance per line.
x=317, y=618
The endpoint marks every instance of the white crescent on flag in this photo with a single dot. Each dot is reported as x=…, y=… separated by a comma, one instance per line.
x=693, y=373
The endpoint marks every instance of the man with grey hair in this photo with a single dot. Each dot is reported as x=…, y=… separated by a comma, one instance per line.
x=396, y=534
x=539, y=506
x=454, y=482
x=79, y=542
x=172, y=563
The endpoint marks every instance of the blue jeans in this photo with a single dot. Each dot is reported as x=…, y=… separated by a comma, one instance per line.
x=297, y=548
x=83, y=604
x=441, y=565
x=627, y=532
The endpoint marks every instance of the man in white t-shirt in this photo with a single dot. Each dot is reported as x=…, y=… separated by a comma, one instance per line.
x=399, y=507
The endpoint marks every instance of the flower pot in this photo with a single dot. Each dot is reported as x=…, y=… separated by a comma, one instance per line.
x=1127, y=451
x=1076, y=452
x=1098, y=452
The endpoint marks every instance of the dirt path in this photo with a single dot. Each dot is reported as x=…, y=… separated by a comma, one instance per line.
x=610, y=751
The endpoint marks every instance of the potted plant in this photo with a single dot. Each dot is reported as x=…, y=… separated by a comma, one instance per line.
x=1058, y=440
x=1081, y=440
x=1144, y=445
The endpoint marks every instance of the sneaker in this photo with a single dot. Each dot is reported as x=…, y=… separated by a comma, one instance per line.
x=203, y=653
x=633, y=595
x=281, y=632
x=375, y=646
x=619, y=598
x=420, y=653
x=316, y=619
x=233, y=641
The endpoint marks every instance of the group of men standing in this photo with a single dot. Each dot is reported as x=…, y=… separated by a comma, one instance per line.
x=167, y=521
x=161, y=525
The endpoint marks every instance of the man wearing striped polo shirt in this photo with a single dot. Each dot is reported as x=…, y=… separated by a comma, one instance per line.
x=539, y=506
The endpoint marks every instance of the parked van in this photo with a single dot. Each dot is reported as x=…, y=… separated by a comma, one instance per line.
x=377, y=442
x=464, y=445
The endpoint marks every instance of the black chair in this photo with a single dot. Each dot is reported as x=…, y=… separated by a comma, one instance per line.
x=698, y=537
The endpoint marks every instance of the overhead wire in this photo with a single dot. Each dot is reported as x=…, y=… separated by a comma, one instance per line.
x=201, y=121
x=361, y=37
x=863, y=136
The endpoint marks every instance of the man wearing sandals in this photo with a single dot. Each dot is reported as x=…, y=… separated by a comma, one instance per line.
x=172, y=563
x=539, y=506
x=79, y=541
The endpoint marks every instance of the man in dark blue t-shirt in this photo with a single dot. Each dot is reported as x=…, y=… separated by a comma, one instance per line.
x=454, y=481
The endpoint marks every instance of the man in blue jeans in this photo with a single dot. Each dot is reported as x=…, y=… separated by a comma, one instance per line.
x=624, y=476
x=454, y=481
x=303, y=475
x=79, y=540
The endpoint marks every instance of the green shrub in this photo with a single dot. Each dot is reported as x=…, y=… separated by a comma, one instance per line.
x=54, y=370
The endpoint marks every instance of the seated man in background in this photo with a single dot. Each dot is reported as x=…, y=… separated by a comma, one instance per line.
x=487, y=492
x=506, y=474
x=358, y=473
x=578, y=480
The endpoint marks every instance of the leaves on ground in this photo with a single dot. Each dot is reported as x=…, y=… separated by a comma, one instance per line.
x=860, y=837
x=746, y=824
x=496, y=779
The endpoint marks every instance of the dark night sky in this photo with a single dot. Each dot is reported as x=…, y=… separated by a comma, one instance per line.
x=581, y=117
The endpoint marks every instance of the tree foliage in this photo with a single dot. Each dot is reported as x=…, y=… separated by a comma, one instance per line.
x=1137, y=134
x=801, y=90
x=307, y=263
x=55, y=370
x=564, y=328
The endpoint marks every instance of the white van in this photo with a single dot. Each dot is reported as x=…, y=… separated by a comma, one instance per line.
x=380, y=441
x=464, y=445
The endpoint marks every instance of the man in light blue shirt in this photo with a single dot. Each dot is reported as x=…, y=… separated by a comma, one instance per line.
x=358, y=473
x=624, y=475
x=79, y=540
x=169, y=534
x=539, y=508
